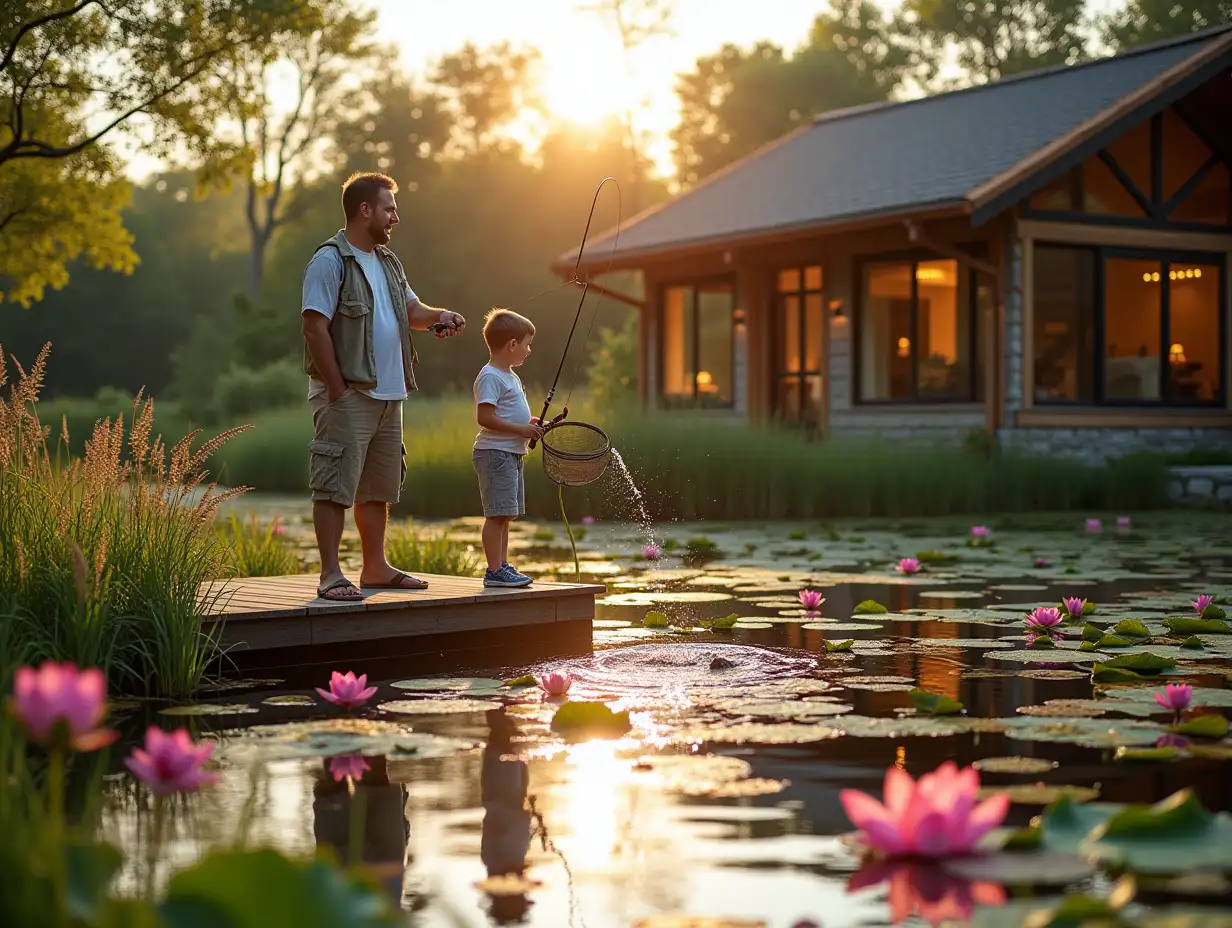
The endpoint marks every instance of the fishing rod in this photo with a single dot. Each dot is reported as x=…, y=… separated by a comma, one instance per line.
x=575, y=279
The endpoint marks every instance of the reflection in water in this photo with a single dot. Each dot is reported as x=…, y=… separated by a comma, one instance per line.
x=504, y=780
x=927, y=891
x=361, y=817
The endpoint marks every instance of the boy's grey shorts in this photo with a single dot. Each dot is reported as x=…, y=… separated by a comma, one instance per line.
x=502, y=483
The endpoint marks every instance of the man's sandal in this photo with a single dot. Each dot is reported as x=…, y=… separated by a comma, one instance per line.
x=341, y=588
x=397, y=582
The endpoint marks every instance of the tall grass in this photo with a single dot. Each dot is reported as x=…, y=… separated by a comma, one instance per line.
x=102, y=556
x=694, y=467
x=414, y=551
x=255, y=550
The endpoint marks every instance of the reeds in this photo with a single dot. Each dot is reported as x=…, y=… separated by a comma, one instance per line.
x=102, y=556
x=431, y=553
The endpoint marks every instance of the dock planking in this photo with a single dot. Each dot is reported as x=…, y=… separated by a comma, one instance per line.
x=258, y=617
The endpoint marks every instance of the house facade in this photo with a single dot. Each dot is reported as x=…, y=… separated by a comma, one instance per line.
x=1044, y=259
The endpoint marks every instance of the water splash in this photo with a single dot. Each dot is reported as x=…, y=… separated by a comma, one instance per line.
x=683, y=665
x=639, y=502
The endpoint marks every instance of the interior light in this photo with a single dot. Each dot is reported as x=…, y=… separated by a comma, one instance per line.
x=1197, y=272
x=1155, y=276
x=1172, y=275
x=1147, y=277
x=904, y=347
x=930, y=274
x=1176, y=354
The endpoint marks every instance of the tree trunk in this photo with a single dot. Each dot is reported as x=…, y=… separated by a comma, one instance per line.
x=256, y=269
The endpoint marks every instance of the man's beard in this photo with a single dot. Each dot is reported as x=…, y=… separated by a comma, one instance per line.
x=381, y=234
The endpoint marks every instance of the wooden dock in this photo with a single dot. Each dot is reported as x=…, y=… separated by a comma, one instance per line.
x=274, y=621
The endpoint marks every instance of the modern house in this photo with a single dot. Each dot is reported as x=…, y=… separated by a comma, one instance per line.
x=1045, y=258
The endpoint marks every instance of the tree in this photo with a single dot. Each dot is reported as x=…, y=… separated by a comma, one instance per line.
x=637, y=22
x=275, y=146
x=59, y=190
x=737, y=100
x=1143, y=21
x=992, y=38
x=485, y=90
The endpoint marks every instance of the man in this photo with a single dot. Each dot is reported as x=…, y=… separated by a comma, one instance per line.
x=358, y=310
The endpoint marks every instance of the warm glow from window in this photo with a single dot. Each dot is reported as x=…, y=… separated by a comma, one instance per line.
x=904, y=347
x=930, y=275
x=705, y=382
x=1176, y=354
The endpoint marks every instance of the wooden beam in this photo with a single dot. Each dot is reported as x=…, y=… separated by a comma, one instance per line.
x=916, y=233
x=596, y=287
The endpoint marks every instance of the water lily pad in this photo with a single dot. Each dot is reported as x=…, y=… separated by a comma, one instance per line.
x=209, y=708
x=838, y=646
x=1142, y=662
x=840, y=627
x=450, y=685
x=333, y=737
x=1023, y=869
x=1154, y=755
x=788, y=709
x=934, y=703
x=754, y=733
x=1015, y=764
x=1203, y=726
x=1065, y=708
x=756, y=624
x=653, y=598
x=589, y=719
x=655, y=620
x=989, y=643
x=291, y=699
x=1186, y=626
x=869, y=607
x=1131, y=628
x=438, y=706
x=1046, y=674
x=1040, y=794
x=1048, y=656
x=1096, y=733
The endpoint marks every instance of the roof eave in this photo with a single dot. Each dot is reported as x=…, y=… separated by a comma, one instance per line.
x=1000, y=193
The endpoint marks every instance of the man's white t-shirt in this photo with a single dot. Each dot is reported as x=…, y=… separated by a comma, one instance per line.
x=504, y=390
x=322, y=280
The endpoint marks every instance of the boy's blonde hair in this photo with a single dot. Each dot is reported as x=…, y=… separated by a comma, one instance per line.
x=501, y=325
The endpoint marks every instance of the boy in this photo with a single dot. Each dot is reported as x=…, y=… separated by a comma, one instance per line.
x=506, y=426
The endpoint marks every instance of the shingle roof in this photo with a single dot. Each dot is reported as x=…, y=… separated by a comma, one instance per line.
x=895, y=157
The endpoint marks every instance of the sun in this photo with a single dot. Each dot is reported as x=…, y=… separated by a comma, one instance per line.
x=585, y=86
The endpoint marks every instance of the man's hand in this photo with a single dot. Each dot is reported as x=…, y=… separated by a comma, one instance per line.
x=334, y=393
x=453, y=324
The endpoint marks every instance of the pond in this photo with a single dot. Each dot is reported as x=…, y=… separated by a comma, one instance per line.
x=722, y=799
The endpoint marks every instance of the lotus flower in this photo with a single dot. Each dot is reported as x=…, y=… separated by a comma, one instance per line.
x=556, y=683
x=61, y=706
x=1094, y=525
x=979, y=531
x=927, y=891
x=652, y=552
x=1170, y=740
x=1040, y=562
x=908, y=565
x=1200, y=604
x=348, y=767
x=1175, y=697
x=1123, y=522
x=277, y=528
x=1043, y=619
x=346, y=691
x=171, y=763
x=588, y=520
x=935, y=817
x=1074, y=606
x=810, y=599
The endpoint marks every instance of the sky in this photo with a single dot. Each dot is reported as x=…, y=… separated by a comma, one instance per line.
x=583, y=75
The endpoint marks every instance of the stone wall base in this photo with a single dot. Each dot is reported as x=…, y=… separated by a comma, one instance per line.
x=1096, y=445
x=1200, y=485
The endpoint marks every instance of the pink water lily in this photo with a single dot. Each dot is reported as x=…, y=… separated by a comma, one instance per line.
x=934, y=817
x=810, y=599
x=171, y=763
x=1074, y=606
x=1043, y=618
x=1175, y=697
x=1040, y=562
x=348, y=767
x=277, y=528
x=1171, y=740
x=1200, y=604
x=908, y=565
x=346, y=691
x=1123, y=522
x=556, y=683
x=1094, y=525
x=652, y=552
x=61, y=706
x=927, y=891
x=588, y=520
x=979, y=531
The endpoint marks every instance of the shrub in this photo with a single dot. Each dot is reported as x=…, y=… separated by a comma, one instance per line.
x=102, y=558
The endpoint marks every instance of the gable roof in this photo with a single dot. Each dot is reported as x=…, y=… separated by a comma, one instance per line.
x=959, y=150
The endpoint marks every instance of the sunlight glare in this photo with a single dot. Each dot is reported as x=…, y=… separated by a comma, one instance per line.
x=598, y=782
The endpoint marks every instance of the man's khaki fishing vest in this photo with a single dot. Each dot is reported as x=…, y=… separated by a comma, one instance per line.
x=351, y=327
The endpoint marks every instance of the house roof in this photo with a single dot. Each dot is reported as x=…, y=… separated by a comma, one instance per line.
x=950, y=150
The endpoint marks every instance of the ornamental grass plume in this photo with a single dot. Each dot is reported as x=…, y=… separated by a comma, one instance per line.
x=171, y=762
x=346, y=691
x=936, y=816
x=62, y=707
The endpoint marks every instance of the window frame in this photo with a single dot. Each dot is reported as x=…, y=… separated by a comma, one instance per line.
x=1166, y=257
x=1153, y=203
x=777, y=373
x=915, y=256
x=696, y=284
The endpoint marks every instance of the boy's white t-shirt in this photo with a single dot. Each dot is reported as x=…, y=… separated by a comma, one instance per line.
x=321, y=283
x=504, y=390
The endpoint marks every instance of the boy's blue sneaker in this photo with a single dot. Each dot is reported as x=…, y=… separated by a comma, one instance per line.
x=505, y=576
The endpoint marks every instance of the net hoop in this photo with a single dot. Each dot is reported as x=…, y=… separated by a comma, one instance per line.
x=575, y=453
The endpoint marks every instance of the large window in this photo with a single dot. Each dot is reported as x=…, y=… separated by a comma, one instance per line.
x=697, y=345
x=797, y=344
x=1162, y=172
x=917, y=332
x=1120, y=327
